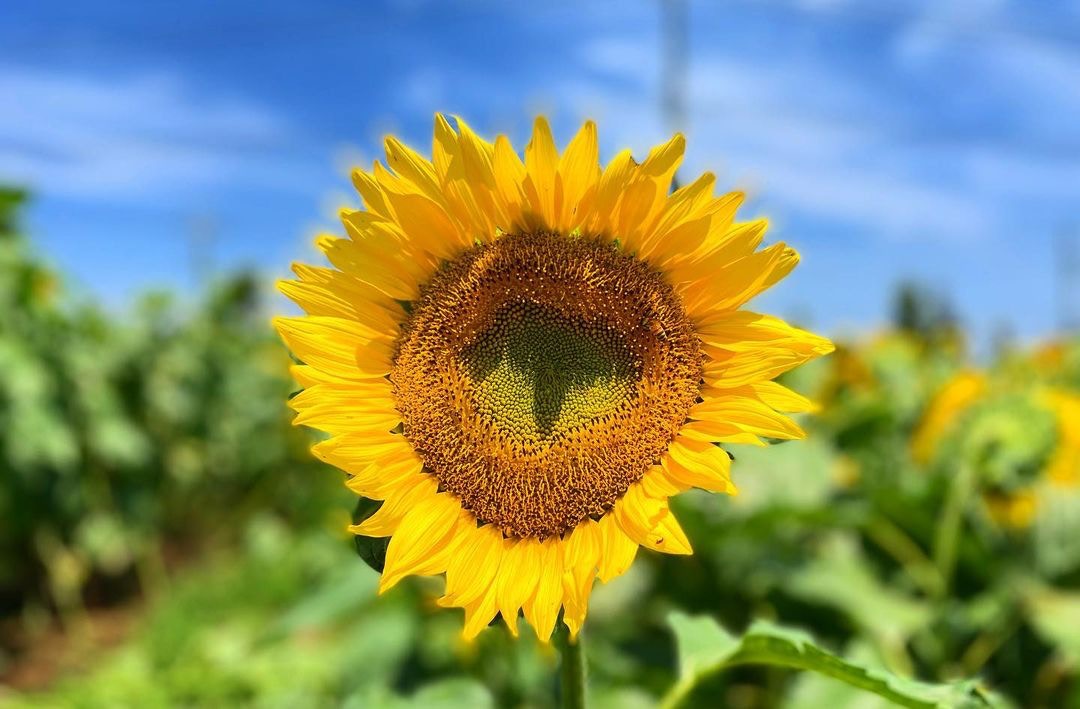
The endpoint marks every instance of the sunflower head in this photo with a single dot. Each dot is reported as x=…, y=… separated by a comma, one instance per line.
x=1064, y=466
x=523, y=360
x=959, y=394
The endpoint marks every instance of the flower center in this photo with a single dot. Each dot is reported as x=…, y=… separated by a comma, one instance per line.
x=539, y=376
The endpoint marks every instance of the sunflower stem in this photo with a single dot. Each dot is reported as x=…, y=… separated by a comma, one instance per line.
x=947, y=535
x=571, y=668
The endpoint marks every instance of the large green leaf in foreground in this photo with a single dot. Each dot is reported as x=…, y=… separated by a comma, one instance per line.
x=706, y=649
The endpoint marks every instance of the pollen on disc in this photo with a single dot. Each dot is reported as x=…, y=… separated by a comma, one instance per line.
x=539, y=376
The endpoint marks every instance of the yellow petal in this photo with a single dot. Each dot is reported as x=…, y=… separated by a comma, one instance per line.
x=581, y=556
x=316, y=299
x=686, y=238
x=409, y=165
x=375, y=231
x=418, y=547
x=613, y=182
x=364, y=394
x=952, y=400
x=354, y=452
x=579, y=170
x=443, y=147
x=478, y=156
x=474, y=190
x=510, y=175
x=748, y=367
x=649, y=522
x=574, y=611
x=334, y=345
x=745, y=331
x=725, y=244
x=637, y=513
x=309, y=376
x=352, y=290
x=736, y=283
x=381, y=480
x=473, y=566
x=338, y=419
x=747, y=414
x=677, y=210
x=407, y=496
x=663, y=160
x=541, y=162
x=725, y=241
x=699, y=464
x=781, y=398
x=370, y=193
x=427, y=223
x=668, y=536
x=518, y=575
x=363, y=447
x=656, y=483
x=719, y=432
x=619, y=549
x=450, y=165
x=384, y=273
x=634, y=209
x=478, y=613
x=347, y=407
x=542, y=608
x=656, y=171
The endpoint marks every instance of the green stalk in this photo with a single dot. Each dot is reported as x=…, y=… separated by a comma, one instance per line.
x=907, y=553
x=947, y=536
x=571, y=668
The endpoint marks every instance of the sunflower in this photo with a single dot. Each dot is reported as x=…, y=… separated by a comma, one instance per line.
x=524, y=359
x=1018, y=509
x=1063, y=469
x=1025, y=437
x=958, y=394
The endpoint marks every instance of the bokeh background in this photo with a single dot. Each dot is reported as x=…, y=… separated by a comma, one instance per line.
x=165, y=539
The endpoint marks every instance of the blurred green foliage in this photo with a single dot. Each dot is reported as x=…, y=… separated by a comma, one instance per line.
x=150, y=451
x=127, y=436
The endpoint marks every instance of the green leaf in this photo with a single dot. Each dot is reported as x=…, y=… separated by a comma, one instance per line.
x=445, y=694
x=1056, y=529
x=371, y=549
x=839, y=576
x=813, y=691
x=1055, y=616
x=797, y=475
x=706, y=649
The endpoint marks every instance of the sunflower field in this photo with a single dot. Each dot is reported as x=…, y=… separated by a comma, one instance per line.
x=168, y=540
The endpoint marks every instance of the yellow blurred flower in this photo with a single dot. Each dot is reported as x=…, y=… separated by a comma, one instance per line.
x=1049, y=357
x=1064, y=466
x=1015, y=510
x=958, y=394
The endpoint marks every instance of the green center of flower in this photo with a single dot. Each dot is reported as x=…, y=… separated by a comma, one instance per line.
x=539, y=375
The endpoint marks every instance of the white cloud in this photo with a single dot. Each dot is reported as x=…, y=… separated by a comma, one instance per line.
x=797, y=136
x=1023, y=70
x=819, y=139
x=129, y=137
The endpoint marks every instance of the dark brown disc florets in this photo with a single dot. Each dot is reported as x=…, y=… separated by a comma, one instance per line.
x=539, y=376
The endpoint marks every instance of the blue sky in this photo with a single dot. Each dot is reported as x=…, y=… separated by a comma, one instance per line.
x=929, y=140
